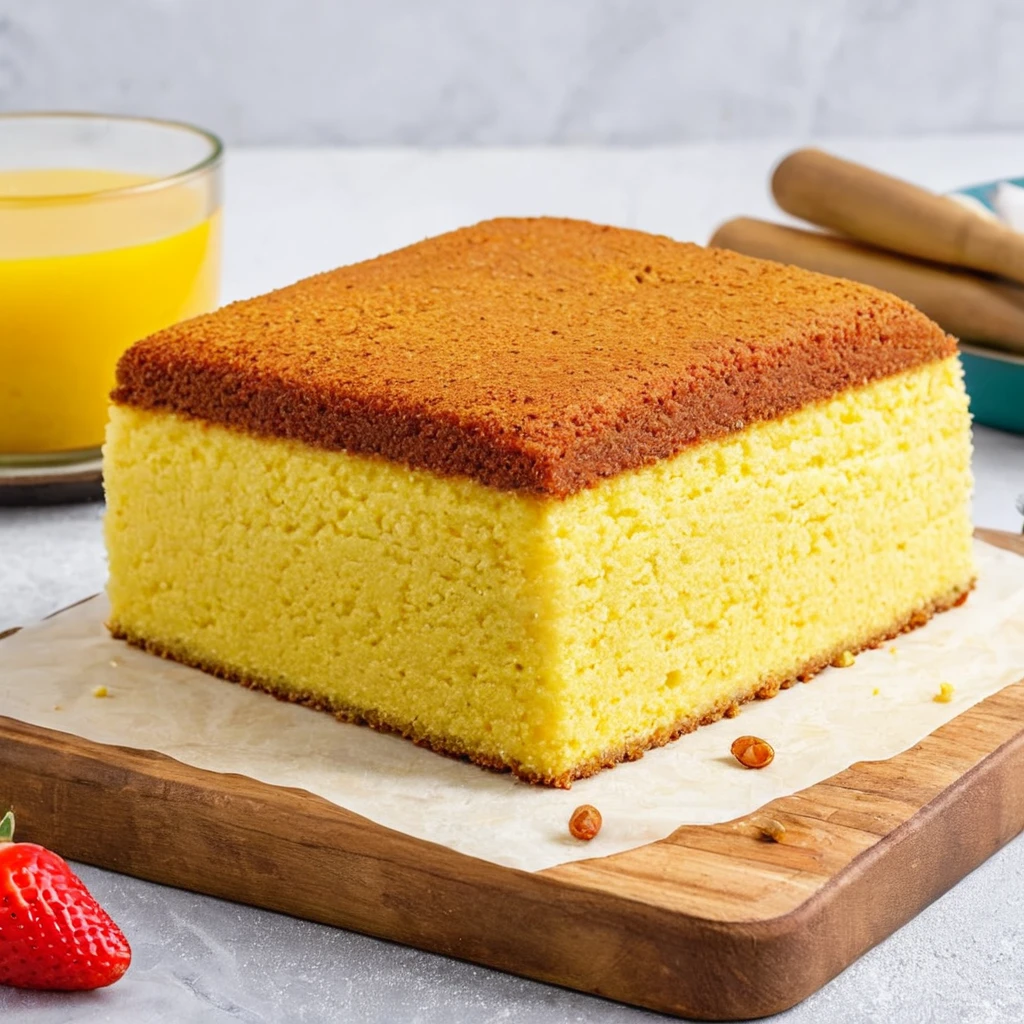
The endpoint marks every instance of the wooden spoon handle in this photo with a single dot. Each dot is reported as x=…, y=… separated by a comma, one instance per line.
x=964, y=304
x=893, y=214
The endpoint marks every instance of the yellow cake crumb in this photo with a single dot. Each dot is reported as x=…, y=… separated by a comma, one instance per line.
x=945, y=694
x=100, y=691
x=845, y=660
x=875, y=692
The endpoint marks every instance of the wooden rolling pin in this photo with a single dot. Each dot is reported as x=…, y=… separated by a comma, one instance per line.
x=968, y=306
x=893, y=214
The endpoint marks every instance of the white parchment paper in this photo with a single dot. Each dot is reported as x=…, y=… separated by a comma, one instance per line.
x=48, y=673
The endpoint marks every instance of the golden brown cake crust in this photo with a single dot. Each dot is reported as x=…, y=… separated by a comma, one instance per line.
x=537, y=355
x=630, y=751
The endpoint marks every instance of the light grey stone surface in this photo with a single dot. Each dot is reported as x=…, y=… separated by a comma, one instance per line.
x=202, y=960
x=490, y=71
x=49, y=558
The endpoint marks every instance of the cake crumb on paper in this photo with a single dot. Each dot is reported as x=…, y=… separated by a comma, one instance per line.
x=945, y=694
x=585, y=822
x=752, y=751
x=100, y=691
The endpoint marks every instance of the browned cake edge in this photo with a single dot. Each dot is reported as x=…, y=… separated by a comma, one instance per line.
x=561, y=452
x=630, y=751
x=657, y=428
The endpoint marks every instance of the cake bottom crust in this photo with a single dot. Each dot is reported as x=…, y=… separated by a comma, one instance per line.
x=632, y=750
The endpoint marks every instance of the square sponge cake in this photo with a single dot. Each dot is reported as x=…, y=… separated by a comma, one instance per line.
x=538, y=493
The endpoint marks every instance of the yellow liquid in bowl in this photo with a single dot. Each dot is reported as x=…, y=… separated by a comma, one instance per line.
x=80, y=280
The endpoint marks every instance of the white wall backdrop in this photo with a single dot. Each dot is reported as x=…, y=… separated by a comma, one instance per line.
x=523, y=71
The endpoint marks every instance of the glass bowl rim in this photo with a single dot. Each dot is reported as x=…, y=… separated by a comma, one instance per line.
x=208, y=163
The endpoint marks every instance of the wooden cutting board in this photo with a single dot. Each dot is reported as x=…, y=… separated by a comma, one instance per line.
x=715, y=922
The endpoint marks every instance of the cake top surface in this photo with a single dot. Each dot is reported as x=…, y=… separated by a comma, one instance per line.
x=532, y=354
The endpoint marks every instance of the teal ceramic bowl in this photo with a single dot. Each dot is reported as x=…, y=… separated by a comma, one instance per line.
x=995, y=380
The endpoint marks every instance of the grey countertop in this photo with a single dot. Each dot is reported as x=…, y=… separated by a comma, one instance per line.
x=203, y=960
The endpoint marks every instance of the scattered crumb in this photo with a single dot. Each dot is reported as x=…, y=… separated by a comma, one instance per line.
x=752, y=752
x=772, y=831
x=56, y=707
x=893, y=651
x=114, y=662
x=945, y=694
x=585, y=822
x=844, y=660
x=875, y=692
x=100, y=691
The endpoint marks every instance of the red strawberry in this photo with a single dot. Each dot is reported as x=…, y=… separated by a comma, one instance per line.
x=53, y=934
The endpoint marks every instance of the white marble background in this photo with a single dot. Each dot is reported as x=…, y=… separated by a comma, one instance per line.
x=442, y=72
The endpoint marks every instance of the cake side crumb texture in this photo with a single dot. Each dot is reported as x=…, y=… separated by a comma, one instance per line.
x=537, y=355
x=547, y=636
